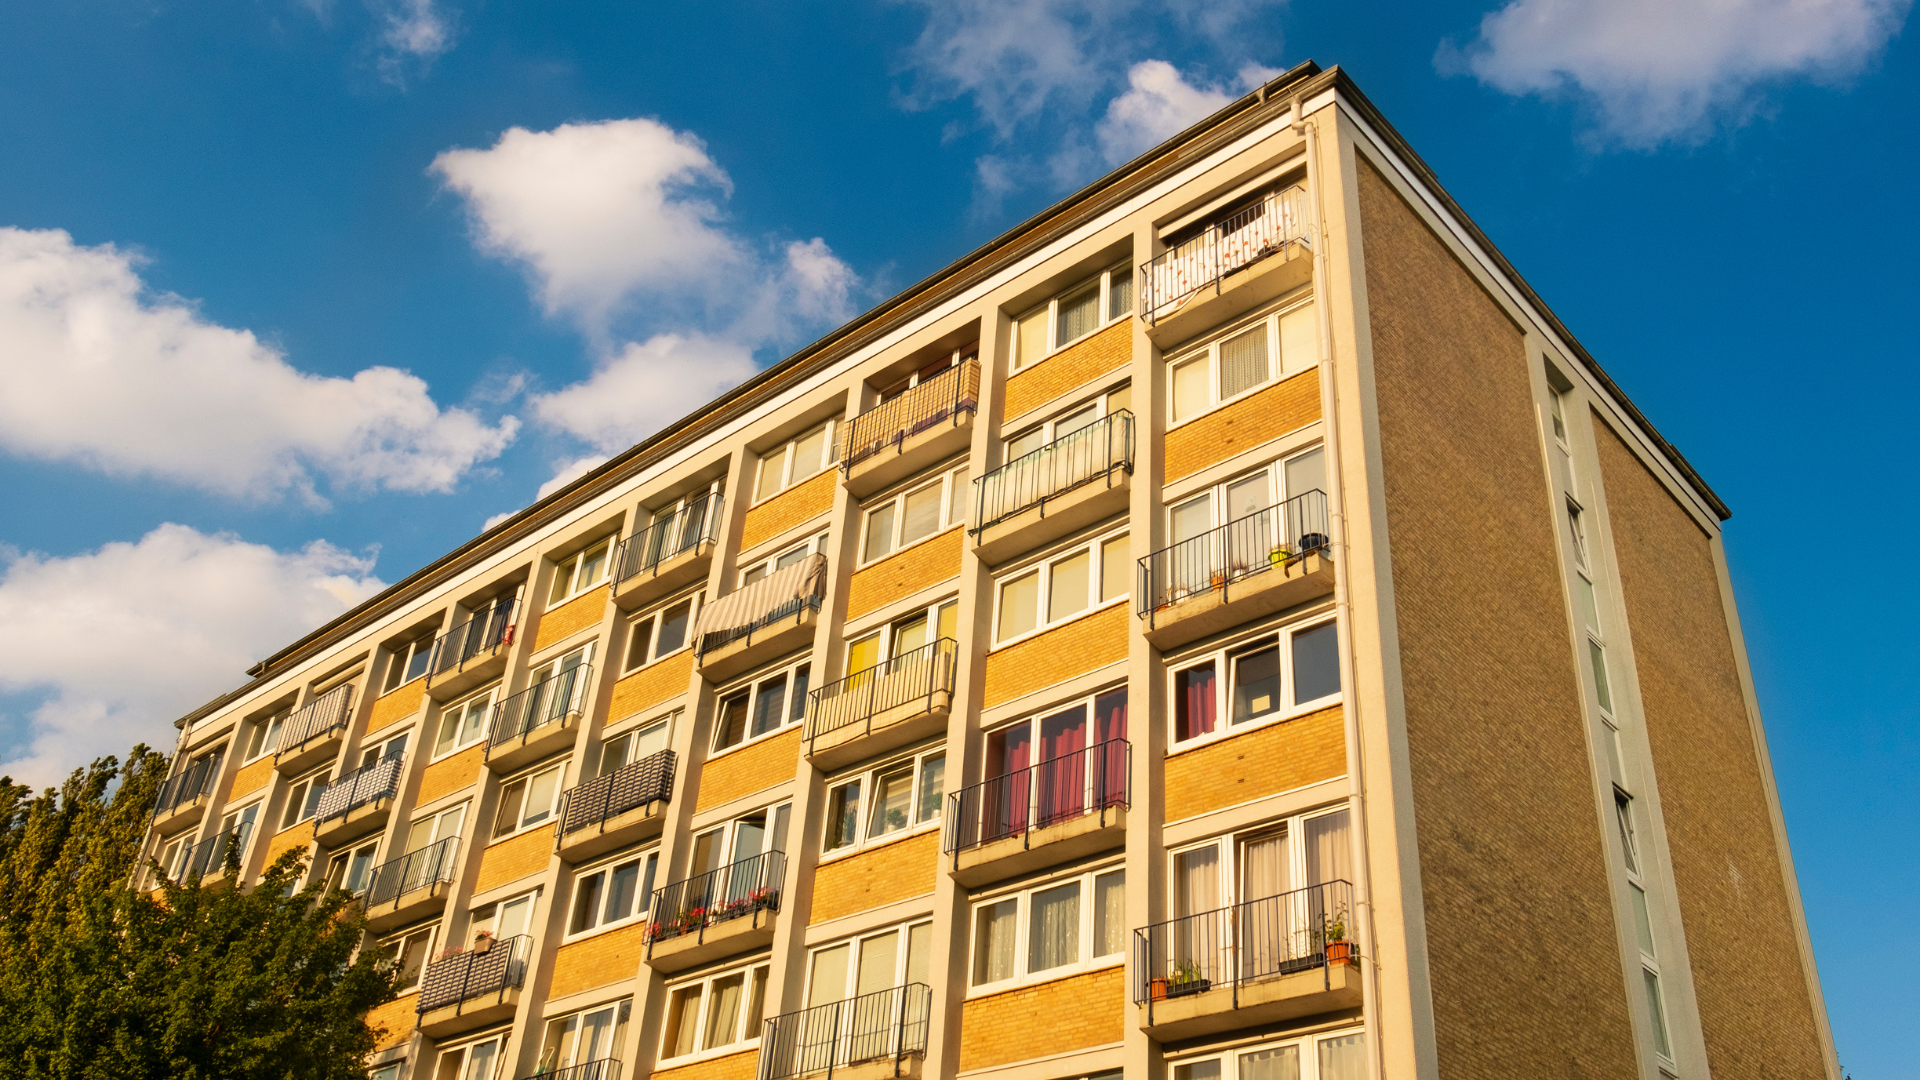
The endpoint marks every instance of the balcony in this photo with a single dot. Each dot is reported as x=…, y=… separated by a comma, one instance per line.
x=472, y=989
x=1279, y=958
x=881, y=1034
x=603, y=1069
x=207, y=860
x=1072, y=482
x=763, y=621
x=313, y=735
x=1267, y=561
x=1247, y=257
x=718, y=913
x=183, y=799
x=538, y=721
x=900, y=701
x=412, y=886
x=359, y=802
x=666, y=555
x=914, y=431
x=472, y=653
x=1065, y=808
x=623, y=807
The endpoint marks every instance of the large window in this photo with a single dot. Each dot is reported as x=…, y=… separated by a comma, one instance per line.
x=465, y=722
x=813, y=545
x=903, y=635
x=351, y=870
x=430, y=829
x=263, y=735
x=1264, y=861
x=587, y=1036
x=528, y=800
x=1061, y=927
x=761, y=707
x=795, y=460
x=636, y=744
x=481, y=1060
x=746, y=837
x=1340, y=1056
x=660, y=632
x=719, y=1013
x=914, y=514
x=1072, y=315
x=894, y=957
x=408, y=662
x=612, y=894
x=303, y=798
x=1272, y=677
x=1062, y=587
x=1242, y=361
x=579, y=572
x=885, y=801
x=1065, y=423
x=1248, y=494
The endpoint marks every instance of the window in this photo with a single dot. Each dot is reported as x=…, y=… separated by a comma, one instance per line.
x=390, y=748
x=434, y=828
x=410, y=953
x=1291, y=672
x=592, y=1035
x=1066, y=423
x=1300, y=852
x=263, y=737
x=174, y=851
x=723, y=1012
x=892, y=799
x=914, y=515
x=528, y=800
x=762, y=707
x=1057, y=928
x=746, y=837
x=1075, y=581
x=579, y=572
x=903, y=636
x=409, y=661
x=1069, y=781
x=509, y=918
x=464, y=723
x=352, y=870
x=1245, y=360
x=612, y=894
x=795, y=460
x=933, y=368
x=660, y=632
x=1081, y=310
x=303, y=798
x=476, y=1061
x=638, y=744
x=388, y=1072
x=753, y=572
x=898, y=956
x=1341, y=1056
x=1244, y=496
x=1632, y=858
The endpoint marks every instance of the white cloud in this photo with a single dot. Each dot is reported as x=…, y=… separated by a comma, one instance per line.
x=1659, y=70
x=413, y=28
x=1013, y=57
x=644, y=387
x=100, y=373
x=1159, y=103
x=121, y=641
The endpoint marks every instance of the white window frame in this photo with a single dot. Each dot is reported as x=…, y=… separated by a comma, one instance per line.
x=792, y=553
x=521, y=824
x=749, y=1035
x=646, y=879
x=340, y=863
x=793, y=709
x=729, y=833
x=1023, y=918
x=781, y=457
x=917, y=822
x=1043, y=597
x=430, y=931
x=886, y=636
x=1227, y=850
x=569, y=1032
x=483, y=701
x=1109, y=401
x=313, y=783
x=571, y=567
x=649, y=622
x=902, y=933
x=631, y=734
x=953, y=513
x=496, y=1069
x=1050, y=310
x=1274, y=471
x=1280, y=368
x=1223, y=683
x=1308, y=1046
x=403, y=656
x=263, y=735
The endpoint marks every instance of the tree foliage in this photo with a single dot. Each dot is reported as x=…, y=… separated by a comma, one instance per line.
x=103, y=981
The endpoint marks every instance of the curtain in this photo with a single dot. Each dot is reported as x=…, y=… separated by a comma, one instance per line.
x=1009, y=752
x=1063, y=776
x=1193, y=702
x=1344, y=1058
x=1110, y=726
x=1053, y=937
x=993, y=942
x=1243, y=362
x=1328, y=852
x=1279, y=1063
x=1264, y=915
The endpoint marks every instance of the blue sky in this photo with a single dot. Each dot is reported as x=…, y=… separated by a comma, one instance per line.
x=288, y=307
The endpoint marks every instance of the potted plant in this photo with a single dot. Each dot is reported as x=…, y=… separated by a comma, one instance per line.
x=1278, y=557
x=1333, y=931
x=1218, y=580
x=1186, y=977
x=482, y=942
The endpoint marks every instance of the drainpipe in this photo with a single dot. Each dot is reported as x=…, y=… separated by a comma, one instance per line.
x=1343, y=609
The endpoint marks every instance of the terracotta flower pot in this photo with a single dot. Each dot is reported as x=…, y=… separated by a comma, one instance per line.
x=1339, y=952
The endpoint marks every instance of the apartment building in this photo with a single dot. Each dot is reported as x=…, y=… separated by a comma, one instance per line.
x=1225, y=627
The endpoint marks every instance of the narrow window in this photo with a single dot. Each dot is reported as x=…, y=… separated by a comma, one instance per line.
x=1193, y=702
x=1316, y=663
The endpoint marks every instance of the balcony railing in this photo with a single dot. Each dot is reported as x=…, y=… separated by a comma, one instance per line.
x=784, y=594
x=1276, y=935
x=1261, y=541
x=541, y=704
x=478, y=636
x=688, y=528
x=367, y=784
x=209, y=856
x=180, y=790
x=1087, y=781
x=903, y=680
x=938, y=400
x=1079, y=457
x=1227, y=245
x=422, y=869
x=886, y=1024
x=469, y=975
x=321, y=716
x=735, y=891
x=604, y=1069
x=634, y=785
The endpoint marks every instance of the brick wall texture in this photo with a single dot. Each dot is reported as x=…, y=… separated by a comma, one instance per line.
x=597, y=961
x=514, y=858
x=298, y=838
x=1070, y=368
x=803, y=502
x=1525, y=967
x=1051, y=1018
x=252, y=777
x=657, y=682
x=1755, y=1010
x=732, y=1067
x=397, y=706
x=1288, y=405
x=770, y=761
x=905, y=573
x=898, y=871
x=1264, y=761
x=1072, y=648
x=450, y=774
x=395, y=1018
x=558, y=624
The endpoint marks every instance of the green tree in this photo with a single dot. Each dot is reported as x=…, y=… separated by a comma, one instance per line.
x=103, y=981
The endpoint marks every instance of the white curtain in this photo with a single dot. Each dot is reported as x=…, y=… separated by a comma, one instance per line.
x=1279, y=1063
x=1054, y=937
x=1329, y=855
x=1344, y=1058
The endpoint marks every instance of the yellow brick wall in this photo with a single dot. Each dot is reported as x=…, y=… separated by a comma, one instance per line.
x=1069, y=368
x=597, y=961
x=1266, y=760
x=515, y=858
x=651, y=685
x=898, y=871
x=450, y=774
x=1285, y=406
x=905, y=573
x=396, y=1018
x=297, y=838
x=1070, y=649
x=397, y=706
x=802, y=502
x=732, y=1067
x=252, y=778
x=753, y=768
x=570, y=618
x=1051, y=1018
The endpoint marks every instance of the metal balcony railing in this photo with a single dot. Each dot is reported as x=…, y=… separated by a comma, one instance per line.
x=1276, y=935
x=180, y=790
x=735, y=891
x=603, y=1069
x=318, y=718
x=1232, y=243
x=1261, y=541
x=549, y=700
x=477, y=637
x=367, y=784
x=939, y=400
x=884, y=1025
x=468, y=975
x=911, y=677
x=690, y=526
x=1089, y=781
x=420, y=869
x=210, y=855
x=1089, y=454
x=633, y=785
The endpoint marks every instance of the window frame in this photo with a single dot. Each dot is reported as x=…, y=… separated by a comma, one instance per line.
x=314, y=782
x=1275, y=473
x=1043, y=596
x=786, y=451
x=1222, y=658
x=630, y=734
x=650, y=618
x=571, y=565
x=646, y=879
x=1115, y=398
x=1023, y=917
x=792, y=712
x=494, y=835
x=812, y=545
x=902, y=933
x=916, y=763
x=953, y=513
x=485, y=696
x=397, y=941
x=622, y=1009
x=498, y=1040
x=729, y=831
x=1226, y=846
x=340, y=864
x=887, y=634
x=1308, y=1060
x=401, y=658
x=263, y=735
x=1102, y=283
x=1279, y=369
x=749, y=1032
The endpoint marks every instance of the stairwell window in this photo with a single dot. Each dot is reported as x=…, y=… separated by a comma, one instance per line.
x=913, y=515
x=303, y=798
x=1057, y=928
x=579, y=572
x=612, y=894
x=884, y=802
x=660, y=632
x=528, y=800
x=465, y=722
x=1246, y=359
x=722, y=1013
x=1084, y=577
x=798, y=459
x=762, y=707
x=1087, y=307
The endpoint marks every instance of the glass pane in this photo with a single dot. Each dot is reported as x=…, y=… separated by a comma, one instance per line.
x=1299, y=339
x=808, y=454
x=586, y=903
x=1110, y=913
x=509, y=816
x=949, y=618
x=771, y=467
x=1305, y=473
x=562, y=582
x=481, y=1061
x=673, y=627
x=892, y=802
x=723, y=1013
x=1198, y=1070
x=1329, y=856
x=1642, y=920
x=1263, y=866
x=957, y=496
x=683, y=1013
x=1075, y=420
x=1079, y=316
x=1658, y=1013
x=756, y=1004
x=933, y=775
x=1278, y=1063
x=1019, y=606
x=863, y=654
x=1589, y=608
x=1192, y=392
x=829, y=977
x=1316, y=663
x=1196, y=881
x=1256, y=684
x=622, y=890
x=1116, y=567
x=769, y=704
x=843, y=815
x=1032, y=334
x=1249, y=496
x=1193, y=702
x=1026, y=443
x=993, y=934
x=879, y=531
x=593, y=564
x=923, y=514
x=798, y=706
x=1192, y=518
x=540, y=792
x=1243, y=362
x=1067, y=593
x=1053, y=931
x=1344, y=1058
x=788, y=558
x=1120, y=294
x=1598, y=656
x=878, y=957
x=909, y=636
x=731, y=729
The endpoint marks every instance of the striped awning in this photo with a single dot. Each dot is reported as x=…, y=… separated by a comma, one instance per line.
x=748, y=605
